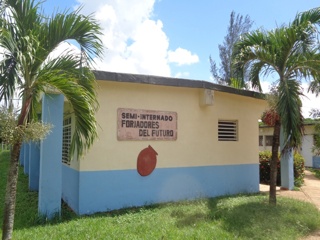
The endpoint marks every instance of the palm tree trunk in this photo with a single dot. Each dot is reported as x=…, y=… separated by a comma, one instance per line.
x=274, y=163
x=11, y=192
x=12, y=179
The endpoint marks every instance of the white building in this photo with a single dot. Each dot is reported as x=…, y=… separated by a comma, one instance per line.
x=265, y=142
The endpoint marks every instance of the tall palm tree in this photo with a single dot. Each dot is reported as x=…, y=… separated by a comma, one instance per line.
x=291, y=52
x=27, y=37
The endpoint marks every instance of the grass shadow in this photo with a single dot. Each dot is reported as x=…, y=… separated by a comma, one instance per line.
x=188, y=219
x=245, y=219
x=26, y=212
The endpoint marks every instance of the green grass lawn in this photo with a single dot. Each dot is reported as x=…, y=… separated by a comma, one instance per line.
x=231, y=217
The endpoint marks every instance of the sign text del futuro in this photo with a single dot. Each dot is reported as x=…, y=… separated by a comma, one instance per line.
x=136, y=124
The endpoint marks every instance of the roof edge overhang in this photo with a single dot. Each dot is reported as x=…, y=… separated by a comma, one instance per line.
x=173, y=82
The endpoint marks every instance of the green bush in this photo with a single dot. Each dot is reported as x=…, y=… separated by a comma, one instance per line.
x=264, y=159
x=298, y=161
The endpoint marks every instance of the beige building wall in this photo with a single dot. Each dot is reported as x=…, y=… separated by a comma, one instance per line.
x=197, y=126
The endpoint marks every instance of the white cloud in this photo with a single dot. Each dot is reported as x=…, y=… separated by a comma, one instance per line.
x=309, y=101
x=265, y=85
x=182, y=57
x=182, y=75
x=63, y=49
x=135, y=43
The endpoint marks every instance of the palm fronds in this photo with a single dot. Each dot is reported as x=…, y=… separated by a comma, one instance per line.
x=28, y=38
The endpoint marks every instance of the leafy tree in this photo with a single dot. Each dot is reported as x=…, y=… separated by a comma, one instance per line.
x=238, y=83
x=292, y=53
x=27, y=37
x=238, y=25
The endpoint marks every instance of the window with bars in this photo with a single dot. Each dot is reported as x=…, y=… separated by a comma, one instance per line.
x=66, y=140
x=269, y=140
x=260, y=141
x=227, y=130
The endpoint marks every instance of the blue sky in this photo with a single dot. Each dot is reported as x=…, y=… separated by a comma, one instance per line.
x=174, y=37
x=197, y=26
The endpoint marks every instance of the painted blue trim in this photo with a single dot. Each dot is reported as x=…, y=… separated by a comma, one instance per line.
x=26, y=158
x=34, y=166
x=101, y=191
x=316, y=161
x=50, y=175
x=70, y=187
x=22, y=154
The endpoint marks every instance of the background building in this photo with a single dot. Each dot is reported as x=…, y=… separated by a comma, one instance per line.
x=265, y=142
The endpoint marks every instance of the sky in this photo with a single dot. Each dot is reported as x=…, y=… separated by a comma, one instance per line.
x=175, y=38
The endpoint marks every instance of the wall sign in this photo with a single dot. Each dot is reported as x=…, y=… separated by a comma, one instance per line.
x=136, y=124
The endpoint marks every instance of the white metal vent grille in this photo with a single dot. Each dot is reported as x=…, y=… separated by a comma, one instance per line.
x=227, y=130
x=66, y=140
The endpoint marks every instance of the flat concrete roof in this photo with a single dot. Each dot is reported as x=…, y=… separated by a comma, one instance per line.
x=174, y=82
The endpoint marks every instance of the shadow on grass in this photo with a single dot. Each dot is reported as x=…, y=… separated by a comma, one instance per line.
x=288, y=218
x=26, y=213
x=188, y=219
x=246, y=215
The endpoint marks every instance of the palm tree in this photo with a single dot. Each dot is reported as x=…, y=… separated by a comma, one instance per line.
x=292, y=53
x=27, y=37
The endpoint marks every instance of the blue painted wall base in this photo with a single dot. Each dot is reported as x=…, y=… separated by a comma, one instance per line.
x=316, y=161
x=22, y=154
x=34, y=166
x=26, y=158
x=99, y=191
